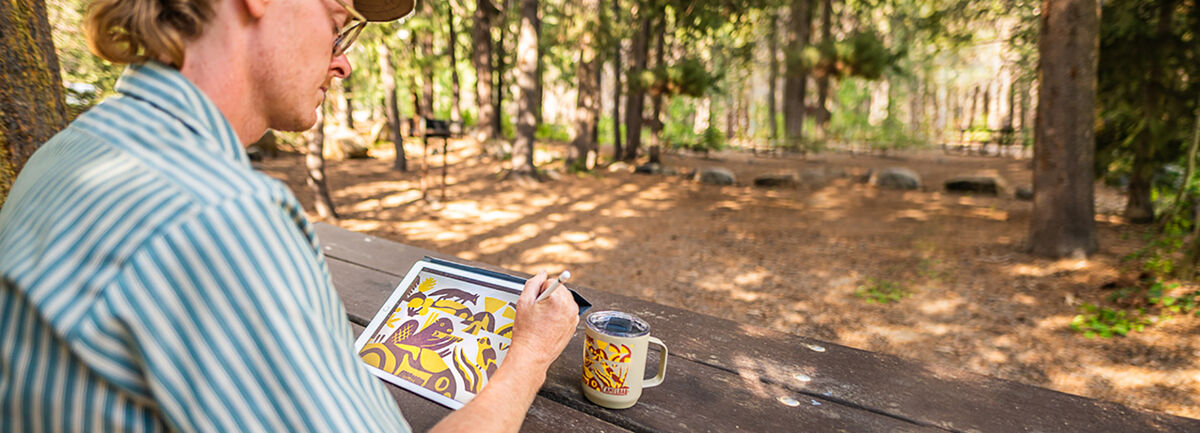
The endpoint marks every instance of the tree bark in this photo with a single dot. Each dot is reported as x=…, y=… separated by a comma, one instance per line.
x=481, y=57
x=656, y=100
x=347, y=96
x=539, y=89
x=390, y=106
x=427, y=57
x=499, y=64
x=1140, y=207
x=1189, y=267
x=452, y=50
x=772, y=73
x=31, y=103
x=971, y=112
x=635, y=99
x=527, y=55
x=823, y=113
x=796, y=83
x=581, y=155
x=616, y=107
x=1063, y=221
x=315, y=164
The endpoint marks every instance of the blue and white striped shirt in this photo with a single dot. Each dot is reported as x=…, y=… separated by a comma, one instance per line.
x=150, y=280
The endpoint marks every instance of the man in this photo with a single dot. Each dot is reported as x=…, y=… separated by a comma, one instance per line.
x=151, y=281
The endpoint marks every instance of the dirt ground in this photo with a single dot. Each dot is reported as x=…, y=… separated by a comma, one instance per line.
x=791, y=259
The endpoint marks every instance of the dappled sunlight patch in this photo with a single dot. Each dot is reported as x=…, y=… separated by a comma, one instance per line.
x=827, y=199
x=574, y=237
x=582, y=206
x=988, y=213
x=400, y=198
x=450, y=236
x=727, y=205
x=558, y=252
x=752, y=278
x=941, y=306
x=1050, y=268
x=1024, y=299
x=371, y=205
x=622, y=212
x=912, y=214
x=360, y=226
x=743, y=295
x=520, y=234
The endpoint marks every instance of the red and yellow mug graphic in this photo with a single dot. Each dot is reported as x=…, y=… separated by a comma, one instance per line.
x=614, y=359
x=606, y=366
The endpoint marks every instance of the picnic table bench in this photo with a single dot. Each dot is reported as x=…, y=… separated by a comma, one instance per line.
x=725, y=376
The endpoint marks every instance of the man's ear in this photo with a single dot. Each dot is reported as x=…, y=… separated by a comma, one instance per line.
x=256, y=8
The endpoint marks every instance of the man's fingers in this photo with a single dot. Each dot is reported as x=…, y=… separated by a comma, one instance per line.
x=533, y=287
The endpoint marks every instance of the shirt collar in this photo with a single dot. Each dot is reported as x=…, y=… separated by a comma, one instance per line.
x=164, y=88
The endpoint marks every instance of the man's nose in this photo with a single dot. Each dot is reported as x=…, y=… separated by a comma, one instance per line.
x=340, y=66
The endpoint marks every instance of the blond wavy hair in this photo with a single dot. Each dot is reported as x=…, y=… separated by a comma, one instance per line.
x=133, y=31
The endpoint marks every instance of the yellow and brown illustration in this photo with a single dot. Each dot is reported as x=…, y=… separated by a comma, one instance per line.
x=443, y=339
x=606, y=366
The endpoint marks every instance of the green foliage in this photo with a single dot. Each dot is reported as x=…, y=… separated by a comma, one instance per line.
x=552, y=132
x=1096, y=321
x=87, y=79
x=712, y=140
x=1154, y=305
x=862, y=54
x=1146, y=88
x=687, y=76
x=881, y=291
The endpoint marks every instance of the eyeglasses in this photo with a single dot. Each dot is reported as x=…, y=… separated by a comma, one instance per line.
x=350, y=31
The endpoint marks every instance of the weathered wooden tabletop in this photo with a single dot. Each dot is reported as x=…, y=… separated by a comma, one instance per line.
x=724, y=376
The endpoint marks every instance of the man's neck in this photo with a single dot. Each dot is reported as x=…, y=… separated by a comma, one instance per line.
x=217, y=63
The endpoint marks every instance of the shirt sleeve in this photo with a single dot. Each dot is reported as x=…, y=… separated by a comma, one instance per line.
x=236, y=327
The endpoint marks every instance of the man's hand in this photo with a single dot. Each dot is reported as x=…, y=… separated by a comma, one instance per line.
x=543, y=329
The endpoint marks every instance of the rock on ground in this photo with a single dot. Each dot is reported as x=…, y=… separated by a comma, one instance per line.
x=990, y=185
x=896, y=178
x=776, y=179
x=716, y=176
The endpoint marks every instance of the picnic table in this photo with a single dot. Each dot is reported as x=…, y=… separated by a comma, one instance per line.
x=724, y=376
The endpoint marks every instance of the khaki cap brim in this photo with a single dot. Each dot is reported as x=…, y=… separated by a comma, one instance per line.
x=384, y=10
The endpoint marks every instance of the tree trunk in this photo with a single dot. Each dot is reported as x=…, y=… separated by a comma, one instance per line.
x=581, y=155
x=1140, y=207
x=31, y=102
x=635, y=100
x=539, y=88
x=656, y=100
x=315, y=163
x=616, y=107
x=390, y=106
x=772, y=73
x=1063, y=222
x=823, y=113
x=481, y=57
x=452, y=50
x=971, y=111
x=527, y=55
x=498, y=97
x=428, y=56
x=347, y=96
x=796, y=83
x=1189, y=267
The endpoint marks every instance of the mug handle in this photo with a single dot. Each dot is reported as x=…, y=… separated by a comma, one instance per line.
x=662, y=365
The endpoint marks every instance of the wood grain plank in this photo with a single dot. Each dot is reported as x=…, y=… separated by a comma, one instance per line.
x=696, y=397
x=544, y=416
x=921, y=393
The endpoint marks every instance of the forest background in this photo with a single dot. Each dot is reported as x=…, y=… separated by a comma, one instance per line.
x=567, y=92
